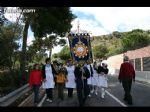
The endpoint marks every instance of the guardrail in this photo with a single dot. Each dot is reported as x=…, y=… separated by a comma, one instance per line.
x=140, y=75
x=11, y=97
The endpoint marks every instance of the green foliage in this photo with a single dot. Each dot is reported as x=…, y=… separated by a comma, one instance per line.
x=116, y=34
x=11, y=80
x=55, y=55
x=45, y=21
x=100, y=51
x=50, y=20
x=119, y=42
x=135, y=39
x=64, y=54
x=8, y=44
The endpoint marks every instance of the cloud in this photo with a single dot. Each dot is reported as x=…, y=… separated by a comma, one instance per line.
x=117, y=18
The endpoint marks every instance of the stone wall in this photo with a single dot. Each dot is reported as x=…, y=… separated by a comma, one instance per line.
x=140, y=59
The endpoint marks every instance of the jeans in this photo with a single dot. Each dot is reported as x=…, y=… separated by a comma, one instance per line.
x=60, y=90
x=36, y=93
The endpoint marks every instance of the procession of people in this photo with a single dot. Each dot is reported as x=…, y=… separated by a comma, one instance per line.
x=79, y=74
x=85, y=79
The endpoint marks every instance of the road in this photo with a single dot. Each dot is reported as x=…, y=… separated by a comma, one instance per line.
x=113, y=98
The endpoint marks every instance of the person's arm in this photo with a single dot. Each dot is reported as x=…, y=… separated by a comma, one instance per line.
x=120, y=73
x=53, y=70
x=87, y=73
x=30, y=79
x=133, y=74
x=99, y=69
x=106, y=71
x=75, y=72
x=66, y=72
x=43, y=73
x=41, y=77
x=91, y=71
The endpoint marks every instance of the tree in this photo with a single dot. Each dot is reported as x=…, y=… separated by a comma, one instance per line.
x=135, y=39
x=57, y=23
x=116, y=34
x=2, y=17
x=8, y=44
x=44, y=21
x=51, y=41
x=100, y=51
x=64, y=54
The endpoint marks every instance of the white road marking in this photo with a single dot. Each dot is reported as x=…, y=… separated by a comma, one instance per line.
x=142, y=84
x=40, y=104
x=115, y=99
x=22, y=103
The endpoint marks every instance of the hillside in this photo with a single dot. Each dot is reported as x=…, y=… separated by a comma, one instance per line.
x=119, y=42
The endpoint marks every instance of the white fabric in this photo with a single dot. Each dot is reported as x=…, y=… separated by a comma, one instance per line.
x=49, y=78
x=93, y=80
x=88, y=66
x=89, y=80
x=102, y=81
x=71, y=77
x=104, y=61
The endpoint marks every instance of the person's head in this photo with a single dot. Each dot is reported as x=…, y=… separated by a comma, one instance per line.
x=54, y=62
x=104, y=65
x=36, y=66
x=69, y=63
x=126, y=58
x=47, y=61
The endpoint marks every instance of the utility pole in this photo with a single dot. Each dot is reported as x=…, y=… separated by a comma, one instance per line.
x=78, y=25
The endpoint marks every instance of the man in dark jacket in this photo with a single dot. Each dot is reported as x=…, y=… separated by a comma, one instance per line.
x=81, y=75
x=126, y=75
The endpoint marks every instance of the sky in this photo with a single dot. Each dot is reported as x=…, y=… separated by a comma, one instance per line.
x=105, y=20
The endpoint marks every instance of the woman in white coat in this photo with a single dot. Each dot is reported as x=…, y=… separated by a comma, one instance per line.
x=48, y=73
x=95, y=78
x=70, y=83
x=102, y=80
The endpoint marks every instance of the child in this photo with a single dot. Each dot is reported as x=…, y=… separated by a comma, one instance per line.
x=35, y=81
x=60, y=79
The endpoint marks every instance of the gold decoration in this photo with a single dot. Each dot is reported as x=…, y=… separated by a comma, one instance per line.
x=80, y=50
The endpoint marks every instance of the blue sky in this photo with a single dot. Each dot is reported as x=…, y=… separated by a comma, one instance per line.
x=105, y=20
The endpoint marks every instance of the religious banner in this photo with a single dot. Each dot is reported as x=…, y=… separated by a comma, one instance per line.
x=80, y=48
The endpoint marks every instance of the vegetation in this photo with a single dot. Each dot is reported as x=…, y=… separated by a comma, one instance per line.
x=115, y=43
x=118, y=42
x=47, y=23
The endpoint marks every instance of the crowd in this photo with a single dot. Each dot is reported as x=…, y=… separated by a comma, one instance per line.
x=85, y=78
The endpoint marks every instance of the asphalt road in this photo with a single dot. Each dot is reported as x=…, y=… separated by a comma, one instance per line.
x=113, y=98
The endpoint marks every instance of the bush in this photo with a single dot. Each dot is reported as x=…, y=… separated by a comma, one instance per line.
x=11, y=80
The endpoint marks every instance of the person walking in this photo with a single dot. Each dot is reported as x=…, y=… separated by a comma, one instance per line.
x=81, y=74
x=95, y=79
x=35, y=81
x=60, y=79
x=126, y=75
x=102, y=78
x=70, y=83
x=90, y=79
x=48, y=73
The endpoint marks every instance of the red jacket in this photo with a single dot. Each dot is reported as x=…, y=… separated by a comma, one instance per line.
x=126, y=69
x=35, y=77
